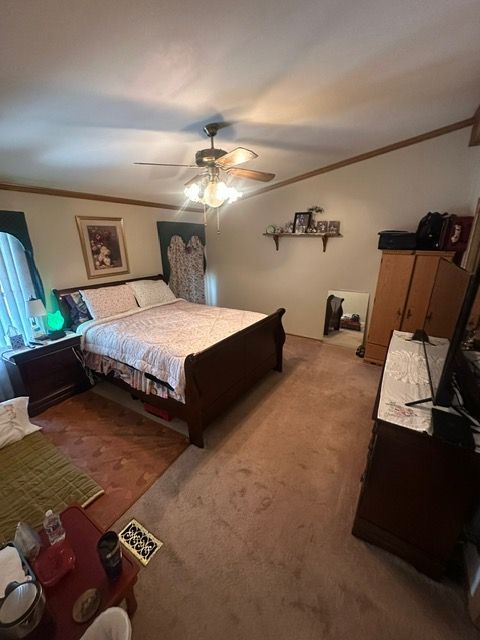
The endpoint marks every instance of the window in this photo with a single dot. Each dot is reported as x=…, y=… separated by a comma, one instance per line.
x=16, y=286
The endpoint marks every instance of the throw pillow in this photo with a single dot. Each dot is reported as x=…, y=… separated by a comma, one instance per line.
x=14, y=421
x=149, y=292
x=77, y=308
x=108, y=301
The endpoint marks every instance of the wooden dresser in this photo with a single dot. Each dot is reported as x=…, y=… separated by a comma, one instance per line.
x=417, y=492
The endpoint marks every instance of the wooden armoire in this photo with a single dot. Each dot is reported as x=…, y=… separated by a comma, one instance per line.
x=403, y=297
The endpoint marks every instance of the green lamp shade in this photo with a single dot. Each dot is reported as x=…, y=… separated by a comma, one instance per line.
x=55, y=321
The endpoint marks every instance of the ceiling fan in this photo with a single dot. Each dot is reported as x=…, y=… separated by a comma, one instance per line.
x=208, y=187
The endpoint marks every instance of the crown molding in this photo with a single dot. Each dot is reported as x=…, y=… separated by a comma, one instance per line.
x=435, y=133
x=63, y=193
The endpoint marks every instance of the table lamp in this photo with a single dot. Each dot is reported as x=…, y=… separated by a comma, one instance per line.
x=35, y=311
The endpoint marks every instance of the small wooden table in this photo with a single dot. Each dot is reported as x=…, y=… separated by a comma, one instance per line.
x=83, y=534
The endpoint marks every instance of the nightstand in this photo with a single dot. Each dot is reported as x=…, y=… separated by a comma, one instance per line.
x=48, y=373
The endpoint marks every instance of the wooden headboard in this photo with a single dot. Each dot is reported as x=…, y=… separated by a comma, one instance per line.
x=63, y=306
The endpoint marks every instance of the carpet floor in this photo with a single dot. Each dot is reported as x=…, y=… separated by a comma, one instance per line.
x=120, y=449
x=257, y=525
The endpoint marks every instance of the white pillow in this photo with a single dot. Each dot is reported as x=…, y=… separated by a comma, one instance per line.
x=108, y=301
x=151, y=292
x=14, y=421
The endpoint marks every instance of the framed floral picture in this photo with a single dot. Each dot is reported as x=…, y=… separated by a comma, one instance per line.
x=103, y=246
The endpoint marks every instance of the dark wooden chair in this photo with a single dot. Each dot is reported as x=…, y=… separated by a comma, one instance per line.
x=333, y=314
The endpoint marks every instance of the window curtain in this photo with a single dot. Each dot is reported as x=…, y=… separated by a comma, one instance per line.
x=19, y=281
x=16, y=287
x=183, y=258
x=15, y=224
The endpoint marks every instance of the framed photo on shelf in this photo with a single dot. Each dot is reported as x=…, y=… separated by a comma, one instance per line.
x=322, y=226
x=103, y=246
x=302, y=221
x=333, y=228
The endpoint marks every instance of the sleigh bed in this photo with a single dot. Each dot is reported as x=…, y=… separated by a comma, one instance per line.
x=214, y=377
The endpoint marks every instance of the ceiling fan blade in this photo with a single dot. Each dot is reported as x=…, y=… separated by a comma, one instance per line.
x=262, y=176
x=163, y=164
x=237, y=156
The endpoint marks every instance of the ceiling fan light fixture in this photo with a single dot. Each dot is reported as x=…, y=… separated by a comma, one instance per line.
x=192, y=192
x=215, y=193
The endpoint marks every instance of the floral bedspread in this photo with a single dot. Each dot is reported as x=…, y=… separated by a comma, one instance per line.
x=157, y=339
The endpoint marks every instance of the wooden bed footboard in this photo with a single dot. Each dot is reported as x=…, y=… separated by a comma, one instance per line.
x=217, y=376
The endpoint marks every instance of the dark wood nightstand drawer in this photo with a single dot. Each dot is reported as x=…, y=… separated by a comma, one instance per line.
x=48, y=374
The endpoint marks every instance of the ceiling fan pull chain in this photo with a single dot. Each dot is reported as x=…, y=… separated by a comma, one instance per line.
x=218, y=220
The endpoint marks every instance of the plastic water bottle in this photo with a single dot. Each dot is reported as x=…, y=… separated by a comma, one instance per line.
x=53, y=527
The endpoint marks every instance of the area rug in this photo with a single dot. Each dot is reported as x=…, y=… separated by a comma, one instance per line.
x=35, y=477
x=121, y=449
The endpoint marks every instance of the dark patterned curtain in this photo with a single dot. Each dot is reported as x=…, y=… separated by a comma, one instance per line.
x=183, y=258
x=14, y=223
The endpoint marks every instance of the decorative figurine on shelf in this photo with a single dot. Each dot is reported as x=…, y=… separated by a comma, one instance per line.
x=313, y=212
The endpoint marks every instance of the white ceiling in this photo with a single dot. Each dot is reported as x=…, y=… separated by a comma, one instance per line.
x=89, y=87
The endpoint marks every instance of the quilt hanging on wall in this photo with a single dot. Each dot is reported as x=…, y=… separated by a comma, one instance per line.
x=183, y=259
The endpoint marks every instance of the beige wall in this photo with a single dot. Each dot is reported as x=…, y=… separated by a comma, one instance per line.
x=392, y=191
x=53, y=231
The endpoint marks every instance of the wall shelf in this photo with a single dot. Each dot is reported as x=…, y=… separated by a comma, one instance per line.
x=324, y=236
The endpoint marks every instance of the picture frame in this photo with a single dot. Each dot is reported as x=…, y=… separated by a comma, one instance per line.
x=302, y=221
x=103, y=246
x=322, y=226
x=333, y=228
x=458, y=233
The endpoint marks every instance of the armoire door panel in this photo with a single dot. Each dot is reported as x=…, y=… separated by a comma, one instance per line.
x=390, y=296
x=420, y=291
x=446, y=300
